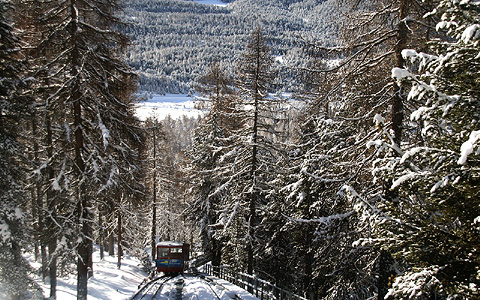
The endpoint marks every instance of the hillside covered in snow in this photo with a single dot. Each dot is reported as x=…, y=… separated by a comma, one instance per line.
x=175, y=41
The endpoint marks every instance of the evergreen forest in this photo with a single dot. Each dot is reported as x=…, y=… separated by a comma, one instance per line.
x=174, y=42
x=338, y=156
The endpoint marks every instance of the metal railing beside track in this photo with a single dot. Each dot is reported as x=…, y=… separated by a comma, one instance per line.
x=259, y=288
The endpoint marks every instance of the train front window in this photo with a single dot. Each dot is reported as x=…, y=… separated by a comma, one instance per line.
x=176, y=253
x=162, y=252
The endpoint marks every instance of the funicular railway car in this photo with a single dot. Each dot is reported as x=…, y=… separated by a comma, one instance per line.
x=172, y=257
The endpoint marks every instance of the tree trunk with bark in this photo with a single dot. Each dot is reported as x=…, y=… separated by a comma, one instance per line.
x=119, y=241
x=399, y=95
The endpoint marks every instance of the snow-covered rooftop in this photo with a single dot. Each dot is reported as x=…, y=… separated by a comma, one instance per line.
x=170, y=243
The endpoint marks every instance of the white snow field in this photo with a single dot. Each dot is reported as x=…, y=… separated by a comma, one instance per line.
x=108, y=282
x=194, y=288
x=161, y=106
x=212, y=2
x=111, y=283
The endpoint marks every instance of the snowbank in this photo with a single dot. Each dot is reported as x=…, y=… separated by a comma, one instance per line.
x=107, y=282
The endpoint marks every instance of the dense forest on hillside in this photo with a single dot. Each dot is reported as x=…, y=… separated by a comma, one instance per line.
x=175, y=41
x=367, y=188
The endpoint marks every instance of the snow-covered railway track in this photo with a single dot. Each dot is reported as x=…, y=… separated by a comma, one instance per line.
x=211, y=288
x=184, y=287
x=150, y=290
x=201, y=287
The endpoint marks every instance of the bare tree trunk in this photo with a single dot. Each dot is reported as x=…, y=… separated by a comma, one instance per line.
x=397, y=100
x=36, y=237
x=83, y=261
x=40, y=228
x=154, y=200
x=101, y=238
x=119, y=241
x=52, y=207
x=111, y=244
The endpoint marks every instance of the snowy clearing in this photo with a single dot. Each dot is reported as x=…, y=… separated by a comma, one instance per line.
x=212, y=2
x=173, y=105
x=107, y=282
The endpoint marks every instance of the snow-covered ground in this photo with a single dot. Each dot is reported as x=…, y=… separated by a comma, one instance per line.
x=107, y=282
x=161, y=106
x=212, y=2
x=193, y=288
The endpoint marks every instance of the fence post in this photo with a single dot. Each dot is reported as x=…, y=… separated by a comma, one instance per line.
x=265, y=288
x=262, y=289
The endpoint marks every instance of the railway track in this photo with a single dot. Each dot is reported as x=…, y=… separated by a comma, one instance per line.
x=209, y=284
x=151, y=289
x=183, y=287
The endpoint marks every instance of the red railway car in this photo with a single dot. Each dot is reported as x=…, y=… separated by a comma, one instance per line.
x=172, y=257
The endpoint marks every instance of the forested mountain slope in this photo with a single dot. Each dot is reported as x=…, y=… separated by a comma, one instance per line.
x=175, y=41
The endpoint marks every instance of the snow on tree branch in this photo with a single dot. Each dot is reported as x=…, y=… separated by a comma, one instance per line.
x=469, y=146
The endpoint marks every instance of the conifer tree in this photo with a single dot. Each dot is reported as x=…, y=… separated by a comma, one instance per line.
x=85, y=88
x=434, y=223
x=251, y=155
x=15, y=271
x=210, y=141
x=347, y=94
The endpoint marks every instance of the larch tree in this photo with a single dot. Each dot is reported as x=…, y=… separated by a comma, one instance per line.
x=155, y=136
x=172, y=179
x=48, y=141
x=87, y=101
x=210, y=142
x=15, y=271
x=252, y=154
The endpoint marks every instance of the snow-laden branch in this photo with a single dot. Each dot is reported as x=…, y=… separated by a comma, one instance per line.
x=105, y=132
x=469, y=146
x=323, y=220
